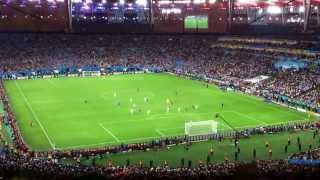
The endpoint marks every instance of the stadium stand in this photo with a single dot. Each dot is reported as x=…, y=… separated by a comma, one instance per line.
x=33, y=55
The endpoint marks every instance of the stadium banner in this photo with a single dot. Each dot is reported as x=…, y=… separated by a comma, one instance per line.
x=47, y=76
x=301, y=110
x=22, y=77
x=257, y=79
x=117, y=73
x=91, y=73
x=132, y=72
x=72, y=75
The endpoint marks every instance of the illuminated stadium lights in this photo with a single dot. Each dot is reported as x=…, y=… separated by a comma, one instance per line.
x=142, y=3
x=77, y=1
x=171, y=11
x=38, y=5
x=274, y=10
x=60, y=1
x=85, y=7
x=291, y=9
x=301, y=9
x=247, y=1
x=294, y=20
x=183, y=2
x=199, y=1
x=121, y=2
x=165, y=2
x=212, y=1
x=100, y=7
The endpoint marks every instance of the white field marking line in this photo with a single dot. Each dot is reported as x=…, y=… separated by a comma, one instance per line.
x=247, y=116
x=182, y=113
x=168, y=129
x=269, y=107
x=225, y=126
x=249, y=126
x=288, y=122
x=164, y=116
x=177, y=134
x=272, y=124
x=109, y=132
x=138, y=139
x=161, y=133
x=35, y=115
x=87, y=145
x=110, y=142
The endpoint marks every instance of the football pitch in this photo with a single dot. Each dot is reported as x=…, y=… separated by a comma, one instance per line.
x=74, y=113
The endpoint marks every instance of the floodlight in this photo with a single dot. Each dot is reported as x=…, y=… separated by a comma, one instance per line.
x=274, y=10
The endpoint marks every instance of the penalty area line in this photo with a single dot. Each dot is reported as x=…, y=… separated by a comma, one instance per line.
x=109, y=132
x=161, y=133
x=34, y=115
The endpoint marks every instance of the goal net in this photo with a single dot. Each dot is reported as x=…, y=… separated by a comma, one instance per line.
x=201, y=128
x=90, y=73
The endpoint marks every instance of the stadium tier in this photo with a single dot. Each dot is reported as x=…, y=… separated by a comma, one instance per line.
x=112, y=106
x=161, y=16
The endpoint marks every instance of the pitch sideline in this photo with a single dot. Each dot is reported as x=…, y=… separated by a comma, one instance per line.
x=34, y=115
x=109, y=132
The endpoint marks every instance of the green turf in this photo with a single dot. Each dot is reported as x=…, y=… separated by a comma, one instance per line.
x=222, y=150
x=62, y=118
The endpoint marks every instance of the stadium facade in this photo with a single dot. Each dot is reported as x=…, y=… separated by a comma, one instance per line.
x=160, y=16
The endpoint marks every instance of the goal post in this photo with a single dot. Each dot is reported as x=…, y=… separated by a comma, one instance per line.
x=201, y=127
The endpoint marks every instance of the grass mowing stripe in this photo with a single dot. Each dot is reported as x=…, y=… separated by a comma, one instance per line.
x=225, y=128
x=34, y=115
x=72, y=110
x=255, y=102
x=109, y=132
x=247, y=116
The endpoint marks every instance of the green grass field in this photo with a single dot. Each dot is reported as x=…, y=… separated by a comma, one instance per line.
x=72, y=113
x=225, y=149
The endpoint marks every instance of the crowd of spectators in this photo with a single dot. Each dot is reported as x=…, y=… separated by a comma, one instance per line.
x=282, y=168
x=34, y=51
x=52, y=169
x=309, y=155
x=37, y=168
x=292, y=84
x=196, y=56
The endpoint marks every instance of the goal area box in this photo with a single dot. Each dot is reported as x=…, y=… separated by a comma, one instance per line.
x=195, y=128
